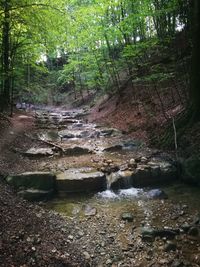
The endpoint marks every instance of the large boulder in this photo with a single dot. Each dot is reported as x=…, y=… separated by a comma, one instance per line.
x=191, y=170
x=81, y=180
x=33, y=180
x=155, y=172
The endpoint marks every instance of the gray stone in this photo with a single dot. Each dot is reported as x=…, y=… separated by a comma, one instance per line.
x=90, y=211
x=109, y=132
x=35, y=194
x=67, y=134
x=113, y=148
x=127, y=216
x=191, y=170
x=168, y=233
x=120, y=179
x=170, y=246
x=147, y=231
x=193, y=231
x=157, y=194
x=38, y=152
x=86, y=255
x=157, y=172
x=81, y=180
x=76, y=151
x=185, y=227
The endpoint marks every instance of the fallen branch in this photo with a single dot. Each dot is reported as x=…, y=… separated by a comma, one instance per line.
x=46, y=142
x=175, y=138
x=51, y=144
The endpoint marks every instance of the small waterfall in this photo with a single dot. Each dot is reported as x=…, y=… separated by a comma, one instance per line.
x=119, y=180
x=119, y=185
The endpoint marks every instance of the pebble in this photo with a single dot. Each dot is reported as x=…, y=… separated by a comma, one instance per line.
x=127, y=216
x=108, y=262
x=86, y=255
x=70, y=237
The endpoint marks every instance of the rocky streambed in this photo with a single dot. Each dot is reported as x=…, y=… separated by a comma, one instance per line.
x=121, y=200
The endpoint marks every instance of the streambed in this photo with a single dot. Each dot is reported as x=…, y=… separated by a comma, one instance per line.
x=122, y=222
x=108, y=239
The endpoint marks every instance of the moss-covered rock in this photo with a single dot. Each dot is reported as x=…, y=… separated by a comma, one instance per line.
x=33, y=180
x=191, y=170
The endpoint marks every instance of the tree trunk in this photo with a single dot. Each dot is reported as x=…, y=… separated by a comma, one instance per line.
x=195, y=66
x=6, y=54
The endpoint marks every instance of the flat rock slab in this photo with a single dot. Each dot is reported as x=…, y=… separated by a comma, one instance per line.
x=113, y=148
x=67, y=134
x=39, y=152
x=81, y=180
x=33, y=180
x=35, y=194
x=76, y=151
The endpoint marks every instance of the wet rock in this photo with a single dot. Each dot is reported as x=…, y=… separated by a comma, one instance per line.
x=113, y=148
x=76, y=151
x=191, y=170
x=38, y=152
x=170, y=246
x=90, y=211
x=81, y=180
x=109, y=132
x=33, y=180
x=127, y=216
x=109, y=168
x=67, y=134
x=143, y=160
x=120, y=179
x=197, y=220
x=193, y=231
x=131, y=145
x=35, y=194
x=157, y=194
x=185, y=227
x=148, y=234
x=132, y=164
x=157, y=172
x=168, y=233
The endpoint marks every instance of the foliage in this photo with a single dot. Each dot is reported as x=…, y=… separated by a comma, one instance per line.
x=101, y=43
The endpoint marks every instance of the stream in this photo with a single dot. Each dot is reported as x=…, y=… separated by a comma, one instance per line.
x=123, y=203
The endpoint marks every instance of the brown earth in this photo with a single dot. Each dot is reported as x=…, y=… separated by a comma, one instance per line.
x=29, y=235
x=143, y=118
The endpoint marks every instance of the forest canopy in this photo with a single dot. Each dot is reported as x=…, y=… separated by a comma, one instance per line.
x=85, y=45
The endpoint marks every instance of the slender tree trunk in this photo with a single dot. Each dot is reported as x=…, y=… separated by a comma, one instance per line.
x=195, y=66
x=6, y=54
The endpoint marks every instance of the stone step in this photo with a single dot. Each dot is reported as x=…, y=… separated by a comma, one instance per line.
x=81, y=180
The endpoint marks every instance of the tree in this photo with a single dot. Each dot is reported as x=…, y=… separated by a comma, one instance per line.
x=195, y=65
x=29, y=29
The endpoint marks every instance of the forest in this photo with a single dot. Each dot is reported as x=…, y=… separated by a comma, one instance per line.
x=99, y=133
